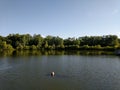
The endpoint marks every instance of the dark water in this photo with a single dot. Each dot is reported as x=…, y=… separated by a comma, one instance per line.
x=72, y=72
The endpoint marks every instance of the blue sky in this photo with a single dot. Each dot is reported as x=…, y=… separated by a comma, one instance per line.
x=64, y=18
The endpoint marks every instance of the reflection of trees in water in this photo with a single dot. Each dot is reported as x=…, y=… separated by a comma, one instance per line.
x=26, y=53
x=6, y=53
x=96, y=53
x=52, y=52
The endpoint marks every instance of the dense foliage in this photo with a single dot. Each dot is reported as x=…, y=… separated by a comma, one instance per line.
x=37, y=42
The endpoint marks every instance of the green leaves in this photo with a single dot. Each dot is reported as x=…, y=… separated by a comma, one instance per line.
x=37, y=42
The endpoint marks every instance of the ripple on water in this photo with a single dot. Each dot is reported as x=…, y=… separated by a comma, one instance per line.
x=4, y=67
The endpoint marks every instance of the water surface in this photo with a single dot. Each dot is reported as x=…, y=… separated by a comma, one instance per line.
x=72, y=72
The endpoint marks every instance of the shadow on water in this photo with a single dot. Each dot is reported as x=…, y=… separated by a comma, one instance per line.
x=58, y=76
x=52, y=52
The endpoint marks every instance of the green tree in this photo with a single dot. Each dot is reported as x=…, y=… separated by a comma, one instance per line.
x=5, y=46
x=46, y=44
x=13, y=39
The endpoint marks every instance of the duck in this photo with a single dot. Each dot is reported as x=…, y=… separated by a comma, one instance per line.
x=52, y=73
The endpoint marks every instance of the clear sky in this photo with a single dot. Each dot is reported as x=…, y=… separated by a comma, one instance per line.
x=64, y=18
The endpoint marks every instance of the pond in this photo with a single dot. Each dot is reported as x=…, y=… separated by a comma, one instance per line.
x=73, y=71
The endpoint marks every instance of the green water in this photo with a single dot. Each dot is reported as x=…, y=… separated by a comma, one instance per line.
x=73, y=71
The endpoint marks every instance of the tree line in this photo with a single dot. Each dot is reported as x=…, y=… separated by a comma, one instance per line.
x=37, y=42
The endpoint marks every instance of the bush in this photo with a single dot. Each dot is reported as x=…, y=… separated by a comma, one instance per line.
x=33, y=47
